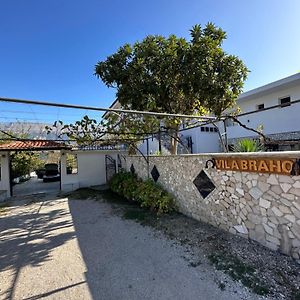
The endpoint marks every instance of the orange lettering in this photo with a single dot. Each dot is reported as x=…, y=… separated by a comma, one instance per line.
x=244, y=165
x=220, y=163
x=252, y=165
x=287, y=166
x=235, y=165
x=275, y=167
x=263, y=166
x=226, y=165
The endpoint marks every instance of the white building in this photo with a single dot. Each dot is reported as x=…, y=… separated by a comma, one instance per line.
x=281, y=123
x=278, y=123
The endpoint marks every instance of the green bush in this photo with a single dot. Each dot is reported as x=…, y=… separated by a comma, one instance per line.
x=248, y=145
x=147, y=193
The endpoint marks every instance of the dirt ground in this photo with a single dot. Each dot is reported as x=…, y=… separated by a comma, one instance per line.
x=261, y=270
x=93, y=245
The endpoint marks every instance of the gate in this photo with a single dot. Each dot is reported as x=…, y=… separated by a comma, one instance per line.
x=110, y=167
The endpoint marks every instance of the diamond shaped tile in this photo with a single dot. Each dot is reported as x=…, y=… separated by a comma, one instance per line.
x=132, y=169
x=204, y=185
x=155, y=174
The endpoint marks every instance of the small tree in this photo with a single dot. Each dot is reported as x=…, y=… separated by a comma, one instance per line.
x=174, y=75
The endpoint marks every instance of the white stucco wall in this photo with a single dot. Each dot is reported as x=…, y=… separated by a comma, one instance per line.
x=4, y=181
x=203, y=142
x=277, y=120
x=153, y=146
x=91, y=169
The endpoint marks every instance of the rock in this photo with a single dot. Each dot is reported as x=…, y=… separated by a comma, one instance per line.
x=296, y=212
x=258, y=234
x=284, y=209
x=296, y=185
x=276, y=189
x=286, y=243
x=263, y=186
x=273, y=239
x=295, y=192
x=255, y=193
x=296, y=230
x=291, y=218
x=241, y=229
x=268, y=229
x=288, y=196
x=285, y=179
x=271, y=246
x=285, y=187
x=255, y=219
x=240, y=191
x=264, y=203
x=277, y=212
x=286, y=202
x=272, y=180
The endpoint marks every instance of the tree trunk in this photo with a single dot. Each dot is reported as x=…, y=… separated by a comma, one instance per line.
x=174, y=141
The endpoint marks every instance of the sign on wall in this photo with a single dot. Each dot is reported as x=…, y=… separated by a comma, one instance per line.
x=259, y=165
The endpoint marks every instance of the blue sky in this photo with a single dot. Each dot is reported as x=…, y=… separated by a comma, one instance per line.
x=48, y=48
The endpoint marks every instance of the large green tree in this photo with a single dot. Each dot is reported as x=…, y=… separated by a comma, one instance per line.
x=175, y=75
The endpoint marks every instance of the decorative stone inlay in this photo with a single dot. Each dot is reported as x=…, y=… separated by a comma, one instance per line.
x=204, y=185
x=155, y=174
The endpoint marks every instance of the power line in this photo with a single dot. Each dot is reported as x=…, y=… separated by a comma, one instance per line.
x=137, y=112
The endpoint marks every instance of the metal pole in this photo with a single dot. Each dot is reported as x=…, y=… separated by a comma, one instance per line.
x=138, y=112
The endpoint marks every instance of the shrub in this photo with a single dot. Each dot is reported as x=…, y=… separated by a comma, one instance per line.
x=147, y=193
x=248, y=145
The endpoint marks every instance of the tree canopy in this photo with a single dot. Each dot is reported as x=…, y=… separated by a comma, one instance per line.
x=176, y=75
x=169, y=75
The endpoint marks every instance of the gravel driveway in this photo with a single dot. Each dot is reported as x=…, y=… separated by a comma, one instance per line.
x=75, y=249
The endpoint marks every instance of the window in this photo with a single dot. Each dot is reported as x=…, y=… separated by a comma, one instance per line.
x=286, y=101
x=211, y=129
x=202, y=128
x=206, y=129
x=72, y=163
x=260, y=106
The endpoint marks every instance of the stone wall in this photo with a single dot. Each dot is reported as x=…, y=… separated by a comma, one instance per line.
x=263, y=207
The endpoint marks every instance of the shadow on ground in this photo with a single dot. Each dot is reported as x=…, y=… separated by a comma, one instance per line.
x=27, y=238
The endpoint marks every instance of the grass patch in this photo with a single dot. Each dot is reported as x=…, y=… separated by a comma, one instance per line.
x=239, y=271
x=83, y=193
x=3, y=206
x=88, y=193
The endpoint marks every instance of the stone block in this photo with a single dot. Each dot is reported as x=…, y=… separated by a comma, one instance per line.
x=290, y=218
x=284, y=209
x=272, y=180
x=272, y=239
x=241, y=229
x=255, y=193
x=258, y=234
x=277, y=212
x=285, y=187
x=268, y=229
x=263, y=186
x=264, y=203
x=295, y=192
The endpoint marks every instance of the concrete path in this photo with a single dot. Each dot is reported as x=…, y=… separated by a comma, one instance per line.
x=35, y=186
x=61, y=249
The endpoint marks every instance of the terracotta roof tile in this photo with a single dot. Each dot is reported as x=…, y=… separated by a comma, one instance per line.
x=33, y=145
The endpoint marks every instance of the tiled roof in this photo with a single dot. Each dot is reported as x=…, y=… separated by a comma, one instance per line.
x=33, y=145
